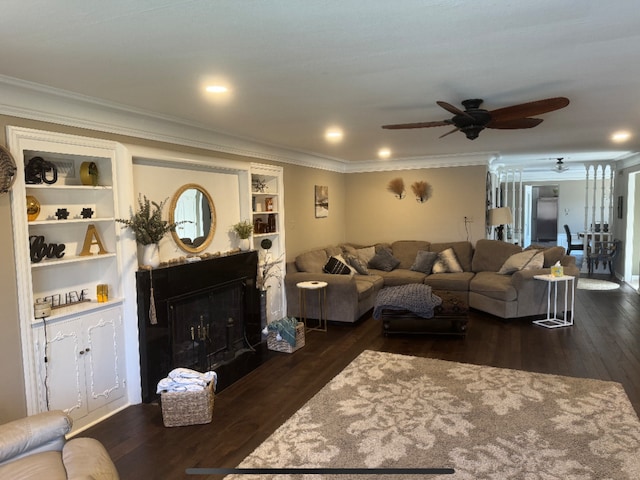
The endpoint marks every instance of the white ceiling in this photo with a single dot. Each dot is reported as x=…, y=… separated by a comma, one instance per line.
x=297, y=67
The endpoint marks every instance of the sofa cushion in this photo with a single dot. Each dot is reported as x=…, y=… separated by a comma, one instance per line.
x=312, y=262
x=424, y=261
x=384, y=260
x=406, y=251
x=526, y=260
x=551, y=254
x=367, y=285
x=494, y=285
x=490, y=255
x=447, y=262
x=337, y=266
x=458, y=282
x=47, y=465
x=401, y=276
x=87, y=458
x=463, y=251
x=355, y=262
x=365, y=254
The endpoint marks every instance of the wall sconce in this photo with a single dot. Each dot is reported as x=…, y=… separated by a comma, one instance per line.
x=396, y=186
x=422, y=191
x=499, y=217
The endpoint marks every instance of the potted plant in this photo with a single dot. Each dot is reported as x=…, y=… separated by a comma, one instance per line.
x=243, y=230
x=149, y=228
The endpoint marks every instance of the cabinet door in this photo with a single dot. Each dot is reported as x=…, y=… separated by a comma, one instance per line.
x=104, y=357
x=64, y=372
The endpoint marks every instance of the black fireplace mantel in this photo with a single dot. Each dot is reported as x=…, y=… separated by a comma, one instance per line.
x=184, y=280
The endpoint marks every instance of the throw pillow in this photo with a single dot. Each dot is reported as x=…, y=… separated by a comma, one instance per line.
x=447, y=262
x=424, y=261
x=384, y=260
x=366, y=254
x=525, y=260
x=336, y=266
x=356, y=263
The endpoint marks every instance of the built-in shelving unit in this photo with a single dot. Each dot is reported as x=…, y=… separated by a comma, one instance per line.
x=66, y=247
x=267, y=207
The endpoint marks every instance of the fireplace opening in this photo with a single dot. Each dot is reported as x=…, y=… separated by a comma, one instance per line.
x=207, y=327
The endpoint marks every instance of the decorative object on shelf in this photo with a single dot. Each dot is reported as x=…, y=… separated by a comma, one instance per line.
x=268, y=204
x=72, y=297
x=42, y=308
x=257, y=225
x=7, y=170
x=243, y=230
x=62, y=214
x=396, y=186
x=39, y=249
x=92, y=238
x=322, y=201
x=266, y=244
x=89, y=173
x=422, y=190
x=102, y=292
x=499, y=217
x=271, y=222
x=33, y=208
x=259, y=185
x=87, y=212
x=147, y=223
x=37, y=169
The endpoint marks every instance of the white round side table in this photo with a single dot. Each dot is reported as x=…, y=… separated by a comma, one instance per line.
x=321, y=288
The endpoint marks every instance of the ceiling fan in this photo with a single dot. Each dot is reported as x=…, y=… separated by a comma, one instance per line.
x=560, y=166
x=473, y=119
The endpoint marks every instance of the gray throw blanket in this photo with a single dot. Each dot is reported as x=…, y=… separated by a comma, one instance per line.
x=415, y=297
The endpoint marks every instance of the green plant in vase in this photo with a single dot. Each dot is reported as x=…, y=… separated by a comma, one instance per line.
x=243, y=230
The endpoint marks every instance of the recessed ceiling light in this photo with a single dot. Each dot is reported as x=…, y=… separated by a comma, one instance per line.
x=333, y=135
x=621, y=136
x=216, y=89
x=384, y=153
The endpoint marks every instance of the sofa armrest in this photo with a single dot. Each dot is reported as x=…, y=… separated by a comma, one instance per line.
x=36, y=433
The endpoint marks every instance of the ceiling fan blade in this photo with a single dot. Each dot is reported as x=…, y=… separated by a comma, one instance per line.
x=529, y=109
x=417, y=125
x=451, y=109
x=514, y=124
x=449, y=132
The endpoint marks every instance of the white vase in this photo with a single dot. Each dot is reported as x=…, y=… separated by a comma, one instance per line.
x=244, y=244
x=151, y=255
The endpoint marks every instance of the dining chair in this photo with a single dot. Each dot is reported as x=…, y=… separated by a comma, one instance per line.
x=572, y=246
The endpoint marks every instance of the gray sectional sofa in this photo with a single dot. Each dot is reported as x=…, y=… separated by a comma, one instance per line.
x=477, y=281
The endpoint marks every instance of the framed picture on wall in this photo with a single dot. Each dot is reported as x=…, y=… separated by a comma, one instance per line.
x=322, y=201
x=620, y=206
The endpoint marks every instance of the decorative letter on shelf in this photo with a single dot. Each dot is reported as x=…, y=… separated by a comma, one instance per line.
x=92, y=238
x=39, y=249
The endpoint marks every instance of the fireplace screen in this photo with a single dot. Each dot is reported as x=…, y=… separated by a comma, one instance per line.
x=207, y=326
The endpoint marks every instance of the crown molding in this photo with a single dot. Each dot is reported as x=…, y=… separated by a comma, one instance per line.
x=38, y=102
x=414, y=163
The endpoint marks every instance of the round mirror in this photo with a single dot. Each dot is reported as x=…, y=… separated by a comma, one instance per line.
x=193, y=205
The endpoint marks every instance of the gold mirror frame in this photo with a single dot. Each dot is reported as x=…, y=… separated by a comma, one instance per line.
x=172, y=218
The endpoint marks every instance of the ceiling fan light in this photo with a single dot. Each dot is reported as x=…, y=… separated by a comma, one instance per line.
x=384, y=153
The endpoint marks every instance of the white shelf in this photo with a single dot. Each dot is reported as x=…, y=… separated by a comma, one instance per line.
x=62, y=223
x=50, y=262
x=69, y=311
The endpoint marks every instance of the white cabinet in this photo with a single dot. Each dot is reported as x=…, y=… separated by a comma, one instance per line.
x=66, y=245
x=267, y=204
x=82, y=365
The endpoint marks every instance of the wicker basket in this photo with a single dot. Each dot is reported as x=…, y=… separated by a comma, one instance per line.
x=283, y=345
x=187, y=408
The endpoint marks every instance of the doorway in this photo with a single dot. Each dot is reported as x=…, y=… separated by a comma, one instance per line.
x=632, y=241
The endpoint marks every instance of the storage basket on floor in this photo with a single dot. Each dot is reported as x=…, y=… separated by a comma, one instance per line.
x=187, y=408
x=283, y=345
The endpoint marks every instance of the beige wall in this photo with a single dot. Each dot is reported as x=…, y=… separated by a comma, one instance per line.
x=303, y=231
x=375, y=215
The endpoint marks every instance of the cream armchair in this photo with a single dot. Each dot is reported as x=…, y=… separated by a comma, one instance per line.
x=35, y=447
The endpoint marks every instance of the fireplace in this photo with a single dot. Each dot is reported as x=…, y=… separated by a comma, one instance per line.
x=206, y=318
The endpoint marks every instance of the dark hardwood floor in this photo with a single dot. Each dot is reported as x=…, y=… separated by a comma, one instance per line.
x=604, y=343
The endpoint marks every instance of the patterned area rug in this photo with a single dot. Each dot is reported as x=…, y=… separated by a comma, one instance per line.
x=395, y=411
x=595, y=284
